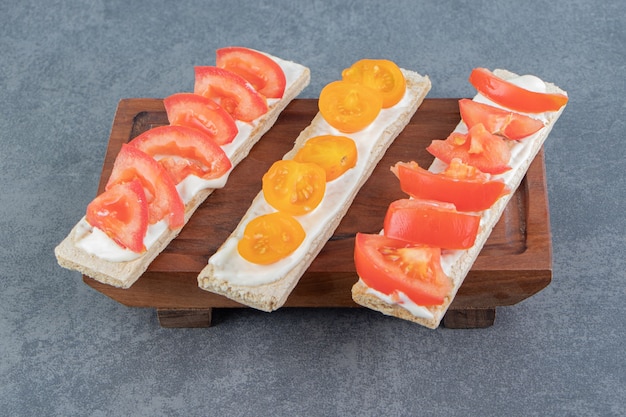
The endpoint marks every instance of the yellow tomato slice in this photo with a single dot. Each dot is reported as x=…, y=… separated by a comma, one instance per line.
x=294, y=187
x=270, y=237
x=349, y=107
x=381, y=75
x=336, y=154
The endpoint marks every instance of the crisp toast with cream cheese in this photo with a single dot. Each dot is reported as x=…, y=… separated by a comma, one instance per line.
x=266, y=287
x=124, y=273
x=457, y=263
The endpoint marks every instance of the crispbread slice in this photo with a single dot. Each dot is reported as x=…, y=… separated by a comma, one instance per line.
x=125, y=274
x=273, y=293
x=462, y=260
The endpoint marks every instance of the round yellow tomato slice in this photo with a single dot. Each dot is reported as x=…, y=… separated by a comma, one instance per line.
x=349, y=107
x=270, y=237
x=381, y=75
x=336, y=154
x=294, y=187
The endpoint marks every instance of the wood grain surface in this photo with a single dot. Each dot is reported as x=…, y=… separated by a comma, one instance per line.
x=515, y=263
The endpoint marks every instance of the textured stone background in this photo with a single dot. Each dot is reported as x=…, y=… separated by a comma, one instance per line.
x=68, y=350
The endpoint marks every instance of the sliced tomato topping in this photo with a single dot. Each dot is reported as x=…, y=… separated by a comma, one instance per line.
x=336, y=154
x=349, y=107
x=294, y=187
x=460, y=184
x=184, y=151
x=478, y=148
x=193, y=110
x=432, y=223
x=391, y=266
x=381, y=75
x=513, y=97
x=231, y=91
x=122, y=213
x=500, y=122
x=270, y=237
x=164, y=202
x=265, y=74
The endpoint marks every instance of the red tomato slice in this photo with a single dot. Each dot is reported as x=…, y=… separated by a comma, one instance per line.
x=460, y=184
x=478, y=148
x=231, y=91
x=183, y=151
x=122, y=213
x=500, y=122
x=389, y=265
x=265, y=75
x=192, y=110
x=430, y=223
x=513, y=97
x=161, y=195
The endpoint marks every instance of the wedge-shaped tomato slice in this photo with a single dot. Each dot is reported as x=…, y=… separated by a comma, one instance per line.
x=336, y=154
x=231, y=91
x=265, y=75
x=513, y=97
x=478, y=148
x=294, y=187
x=460, y=184
x=192, y=110
x=391, y=266
x=270, y=237
x=183, y=151
x=164, y=202
x=432, y=223
x=381, y=75
x=500, y=122
x=122, y=213
x=349, y=107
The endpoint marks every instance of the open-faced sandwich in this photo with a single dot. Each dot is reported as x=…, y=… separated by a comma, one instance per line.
x=305, y=195
x=161, y=177
x=430, y=239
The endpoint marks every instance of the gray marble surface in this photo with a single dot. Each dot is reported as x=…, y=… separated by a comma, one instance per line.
x=67, y=350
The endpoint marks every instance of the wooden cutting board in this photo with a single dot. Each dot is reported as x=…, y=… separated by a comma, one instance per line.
x=515, y=263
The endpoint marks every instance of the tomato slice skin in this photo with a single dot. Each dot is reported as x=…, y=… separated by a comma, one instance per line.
x=197, y=153
x=336, y=154
x=270, y=237
x=266, y=75
x=231, y=91
x=349, y=107
x=161, y=195
x=468, y=191
x=513, y=97
x=122, y=213
x=500, y=122
x=479, y=148
x=294, y=187
x=193, y=110
x=430, y=223
x=381, y=75
x=390, y=265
